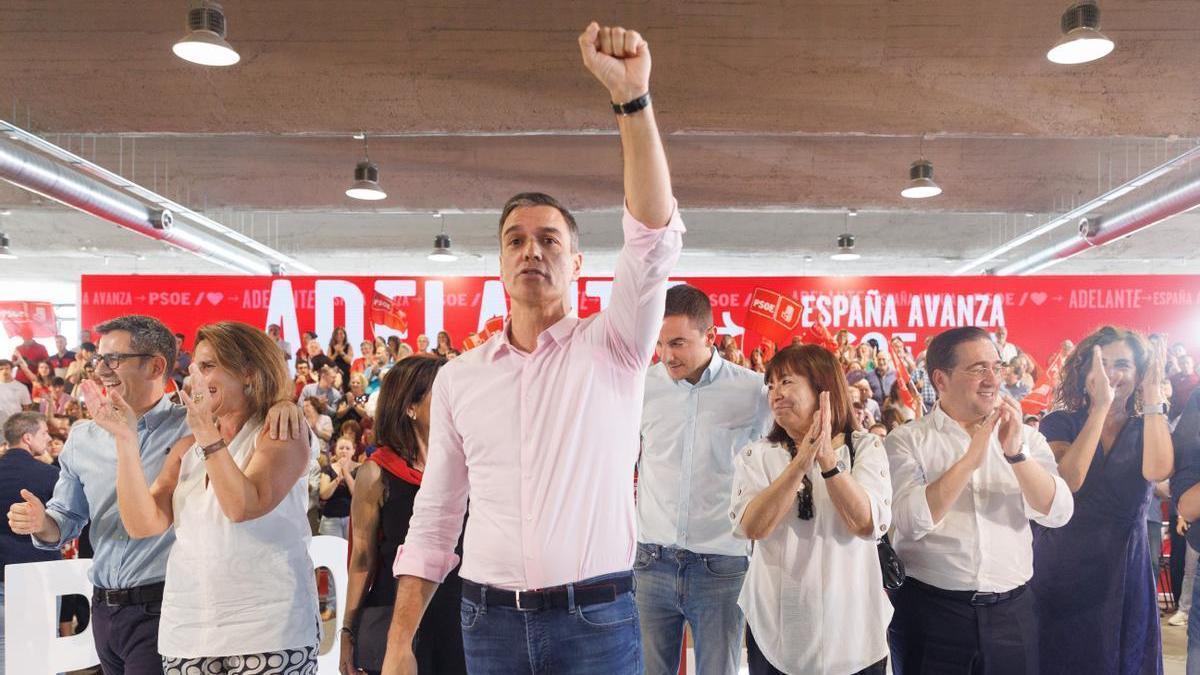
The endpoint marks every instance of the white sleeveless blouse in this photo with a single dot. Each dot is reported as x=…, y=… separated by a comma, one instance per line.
x=237, y=588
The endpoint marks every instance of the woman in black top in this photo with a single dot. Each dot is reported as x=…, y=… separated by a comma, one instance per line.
x=337, y=488
x=386, y=487
x=341, y=353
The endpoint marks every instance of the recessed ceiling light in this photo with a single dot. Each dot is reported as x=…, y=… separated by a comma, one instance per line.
x=920, y=181
x=205, y=42
x=1082, y=40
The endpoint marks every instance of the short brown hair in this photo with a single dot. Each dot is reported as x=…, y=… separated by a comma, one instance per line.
x=524, y=199
x=689, y=301
x=21, y=423
x=243, y=349
x=820, y=368
x=1072, y=391
x=405, y=385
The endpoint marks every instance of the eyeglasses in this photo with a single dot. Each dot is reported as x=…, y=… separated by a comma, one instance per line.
x=980, y=372
x=805, y=500
x=113, y=360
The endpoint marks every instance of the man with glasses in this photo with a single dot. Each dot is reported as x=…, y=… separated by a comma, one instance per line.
x=967, y=479
x=134, y=358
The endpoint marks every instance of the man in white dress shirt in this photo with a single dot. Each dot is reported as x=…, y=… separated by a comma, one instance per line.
x=968, y=478
x=699, y=411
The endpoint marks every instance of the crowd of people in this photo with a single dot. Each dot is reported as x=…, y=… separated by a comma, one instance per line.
x=837, y=508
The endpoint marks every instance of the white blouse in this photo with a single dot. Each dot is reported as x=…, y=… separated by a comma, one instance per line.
x=813, y=595
x=237, y=588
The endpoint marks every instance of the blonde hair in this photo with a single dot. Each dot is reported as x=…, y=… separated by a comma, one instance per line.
x=245, y=350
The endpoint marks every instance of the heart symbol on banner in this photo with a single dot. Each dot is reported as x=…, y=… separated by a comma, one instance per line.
x=216, y=298
x=1037, y=298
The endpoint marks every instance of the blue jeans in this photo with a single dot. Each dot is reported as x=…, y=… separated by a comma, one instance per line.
x=1, y=626
x=1193, y=627
x=674, y=586
x=599, y=639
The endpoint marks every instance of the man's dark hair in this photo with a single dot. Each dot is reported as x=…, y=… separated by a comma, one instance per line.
x=940, y=354
x=20, y=424
x=689, y=301
x=5, y=362
x=58, y=382
x=540, y=199
x=147, y=335
x=88, y=346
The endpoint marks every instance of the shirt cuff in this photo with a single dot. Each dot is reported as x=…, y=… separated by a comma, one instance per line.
x=881, y=516
x=635, y=229
x=55, y=546
x=919, y=516
x=1062, y=507
x=428, y=565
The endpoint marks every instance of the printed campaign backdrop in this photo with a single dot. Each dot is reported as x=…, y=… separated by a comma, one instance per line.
x=1039, y=311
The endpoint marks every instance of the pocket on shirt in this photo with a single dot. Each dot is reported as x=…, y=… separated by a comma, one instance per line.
x=619, y=612
x=726, y=566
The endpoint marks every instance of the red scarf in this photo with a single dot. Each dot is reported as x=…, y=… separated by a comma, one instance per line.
x=393, y=463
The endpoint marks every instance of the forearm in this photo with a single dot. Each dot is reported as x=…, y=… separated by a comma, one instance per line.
x=1074, y=463
x=1158, y=452
x=852, y=503
x=328, y=487
x=1189, y=504
x=647, y=176
x=140, y=514
x=412, y=597
x=1037, y=486
x=50, y=533
x=764, y=513
x=362, y=567
x=944, y=491
x=348, y=479
x=239, y=498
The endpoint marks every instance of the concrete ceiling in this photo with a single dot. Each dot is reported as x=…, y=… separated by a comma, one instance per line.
x=779, y=116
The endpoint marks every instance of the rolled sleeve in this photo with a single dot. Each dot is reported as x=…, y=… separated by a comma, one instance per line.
x=437, y=520
x=749, y=479
x=69, y=506
x=635, y=311
x=910, y=507
x=1062, y=507
x=871, y=471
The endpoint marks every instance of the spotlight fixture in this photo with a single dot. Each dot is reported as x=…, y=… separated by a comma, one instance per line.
x=1082, y=40
x=920, y=181
x=441, y=249
x=5, y=252
x=366, y=178
x=205, y=42
x=845, y=244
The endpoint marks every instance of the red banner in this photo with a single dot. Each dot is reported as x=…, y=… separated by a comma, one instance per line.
x=28, y=319
x=1039, y=311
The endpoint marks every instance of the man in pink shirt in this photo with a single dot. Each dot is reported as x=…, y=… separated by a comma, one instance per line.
x=539, y=428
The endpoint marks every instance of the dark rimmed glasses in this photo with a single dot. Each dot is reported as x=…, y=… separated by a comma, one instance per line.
x=114, y=360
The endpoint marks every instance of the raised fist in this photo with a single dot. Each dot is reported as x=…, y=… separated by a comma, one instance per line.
x=619, y=58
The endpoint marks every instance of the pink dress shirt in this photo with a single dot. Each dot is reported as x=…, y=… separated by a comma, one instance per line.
x=545, y=443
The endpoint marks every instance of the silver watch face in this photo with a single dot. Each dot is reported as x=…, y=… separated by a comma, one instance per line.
x=841, y=466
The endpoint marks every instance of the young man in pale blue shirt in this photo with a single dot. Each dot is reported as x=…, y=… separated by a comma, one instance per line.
x=699, y=411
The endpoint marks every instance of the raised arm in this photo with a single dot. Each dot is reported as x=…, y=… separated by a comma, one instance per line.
x=1158, y=452
x=620, y=60
x=364, y=511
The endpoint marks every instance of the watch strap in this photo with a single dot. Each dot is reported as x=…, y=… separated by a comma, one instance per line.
x=630, y=107
x=837, y=468
x=1154, y=409
x=209, y=449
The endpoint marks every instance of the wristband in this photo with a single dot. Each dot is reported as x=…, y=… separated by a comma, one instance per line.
x=208, y=450
x=630, y=107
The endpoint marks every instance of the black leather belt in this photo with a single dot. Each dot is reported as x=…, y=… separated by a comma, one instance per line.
x=122, y=597
x=973, y=598
x=548, y=598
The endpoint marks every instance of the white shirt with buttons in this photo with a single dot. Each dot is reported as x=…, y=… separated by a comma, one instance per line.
x=813, y=596
x=984, y=542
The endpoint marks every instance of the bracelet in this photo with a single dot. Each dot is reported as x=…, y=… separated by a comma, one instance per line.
x=208, y=450
x=630, y=107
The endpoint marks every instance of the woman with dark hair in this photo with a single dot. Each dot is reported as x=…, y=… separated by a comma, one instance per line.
x=444, y=348
x=1092, y=582
x=813, y=495
x=239, y=581
x=340, y=352
x=386, y=487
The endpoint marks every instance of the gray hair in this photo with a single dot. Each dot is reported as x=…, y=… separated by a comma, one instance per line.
x=147, y=335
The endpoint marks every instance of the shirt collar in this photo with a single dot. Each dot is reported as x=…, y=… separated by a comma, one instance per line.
x=710, y=373
x=559, y=332
x=156, y=415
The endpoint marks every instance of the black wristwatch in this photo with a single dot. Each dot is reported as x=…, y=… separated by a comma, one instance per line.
x=1021, y=455
x=630, y=107
x=837, y=468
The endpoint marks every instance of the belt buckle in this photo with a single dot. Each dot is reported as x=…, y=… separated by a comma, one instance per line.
x=983, y=599
x=113, y=598
x=520, y=608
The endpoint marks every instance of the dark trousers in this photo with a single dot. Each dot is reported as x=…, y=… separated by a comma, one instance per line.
x=127, y=638
x=932, y=634
x=759, y=665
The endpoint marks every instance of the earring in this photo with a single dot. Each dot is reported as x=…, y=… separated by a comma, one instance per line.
x=412, y=415
x=246, y=390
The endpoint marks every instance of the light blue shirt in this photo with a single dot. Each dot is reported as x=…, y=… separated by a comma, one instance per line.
x=87, y=491
x=690, y=436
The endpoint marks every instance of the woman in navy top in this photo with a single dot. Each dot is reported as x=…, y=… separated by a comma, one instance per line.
x=1092, y=581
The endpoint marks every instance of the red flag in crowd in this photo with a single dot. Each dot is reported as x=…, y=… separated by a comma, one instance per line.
x=1039, y=400
x=768, y=349
x=819, y=335
x=386, y=311
x=903, y=377
x=28, y=319
x=772, y=316
x=491, y=327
